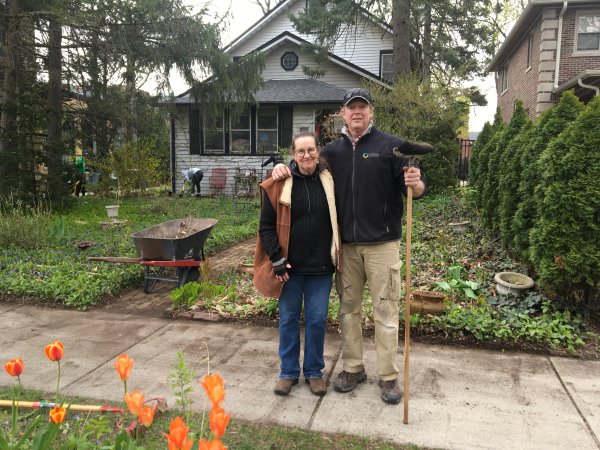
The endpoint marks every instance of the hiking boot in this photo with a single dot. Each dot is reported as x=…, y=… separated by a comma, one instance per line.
x=284, y=385
x=346, y=381
x=390, y=391
x=317, y=385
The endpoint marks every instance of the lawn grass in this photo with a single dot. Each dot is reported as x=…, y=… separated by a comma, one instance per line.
x=240, y=435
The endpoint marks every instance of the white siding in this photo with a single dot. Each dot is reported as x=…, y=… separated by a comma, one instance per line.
x=334, y=75
x=359, y=44
x=304, y=117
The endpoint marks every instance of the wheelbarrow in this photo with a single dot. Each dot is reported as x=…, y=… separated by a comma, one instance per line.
x=176, y=243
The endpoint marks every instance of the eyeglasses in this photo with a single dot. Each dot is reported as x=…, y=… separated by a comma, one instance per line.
x=312, y=151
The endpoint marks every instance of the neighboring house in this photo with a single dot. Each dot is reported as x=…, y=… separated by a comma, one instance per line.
x=554, y=46
x=289, y=102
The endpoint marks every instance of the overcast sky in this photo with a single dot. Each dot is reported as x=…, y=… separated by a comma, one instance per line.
x=245, y=12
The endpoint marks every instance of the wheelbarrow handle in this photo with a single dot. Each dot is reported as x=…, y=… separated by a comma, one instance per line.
x=113, y=259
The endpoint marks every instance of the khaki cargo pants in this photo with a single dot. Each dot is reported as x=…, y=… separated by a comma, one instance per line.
x=379, y=264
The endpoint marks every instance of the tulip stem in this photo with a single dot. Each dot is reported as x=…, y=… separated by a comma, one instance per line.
x=57, y=382
x=124, y=405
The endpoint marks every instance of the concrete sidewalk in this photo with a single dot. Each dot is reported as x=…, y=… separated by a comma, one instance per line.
x=459, y=399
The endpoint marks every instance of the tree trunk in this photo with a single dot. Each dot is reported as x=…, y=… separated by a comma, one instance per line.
x=400, y=25
x=426, y=55
x=54, y=143
x=9, y=165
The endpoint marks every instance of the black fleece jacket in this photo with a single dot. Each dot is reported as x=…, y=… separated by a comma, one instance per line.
x=369, y=184
x=309, y=249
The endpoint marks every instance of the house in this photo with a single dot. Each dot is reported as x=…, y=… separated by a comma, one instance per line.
x=554, y=46
x=230, y=151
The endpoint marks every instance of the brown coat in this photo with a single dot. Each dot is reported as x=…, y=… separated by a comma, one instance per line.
x=280, y=196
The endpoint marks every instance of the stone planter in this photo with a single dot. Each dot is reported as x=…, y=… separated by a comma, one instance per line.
x=512, y=283
x=427, y=302
x=113, y=212
x=459, y=227
x=246, y=268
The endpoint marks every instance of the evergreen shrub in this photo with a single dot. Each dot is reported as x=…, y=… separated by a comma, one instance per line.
x=565, y=238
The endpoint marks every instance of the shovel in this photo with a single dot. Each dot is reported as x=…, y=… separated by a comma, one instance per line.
x=410, y=150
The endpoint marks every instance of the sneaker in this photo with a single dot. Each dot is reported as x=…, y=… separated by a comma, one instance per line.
x=346, y=381
x=390, y=391
x=284, y=385
x=317, y=385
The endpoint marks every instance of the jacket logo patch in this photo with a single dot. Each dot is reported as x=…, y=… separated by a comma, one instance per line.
x=366, y=155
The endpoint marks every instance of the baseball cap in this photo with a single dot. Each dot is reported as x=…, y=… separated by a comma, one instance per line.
x=353, y=94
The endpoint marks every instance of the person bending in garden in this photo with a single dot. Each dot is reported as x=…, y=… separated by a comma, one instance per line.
x=296, y=256
x=194, y=176
x=369, y=183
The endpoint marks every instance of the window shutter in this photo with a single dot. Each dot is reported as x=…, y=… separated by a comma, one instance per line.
x=285, y=125
x=194, y=131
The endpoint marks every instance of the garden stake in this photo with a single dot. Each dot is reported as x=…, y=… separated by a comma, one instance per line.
x=410, y=150
x=84, y=408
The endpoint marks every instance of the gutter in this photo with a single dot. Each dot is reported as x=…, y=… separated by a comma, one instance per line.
x=589, y=86
x=559, y=42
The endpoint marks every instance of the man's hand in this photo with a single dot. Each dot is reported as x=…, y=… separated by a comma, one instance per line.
x=281, y=172
x=412, y=178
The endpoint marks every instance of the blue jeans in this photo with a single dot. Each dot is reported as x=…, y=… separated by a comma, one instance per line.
x=315, y=290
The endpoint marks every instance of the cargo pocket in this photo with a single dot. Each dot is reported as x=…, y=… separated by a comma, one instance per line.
x=394, y=282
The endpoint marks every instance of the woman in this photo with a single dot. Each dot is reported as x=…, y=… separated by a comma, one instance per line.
x=296, y=255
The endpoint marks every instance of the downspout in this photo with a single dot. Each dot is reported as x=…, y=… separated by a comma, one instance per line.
x=559, y=42
x=172, y=154
x=589, y=86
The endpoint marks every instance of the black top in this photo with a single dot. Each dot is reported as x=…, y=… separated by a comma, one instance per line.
x=311, y=235
x=369, y=184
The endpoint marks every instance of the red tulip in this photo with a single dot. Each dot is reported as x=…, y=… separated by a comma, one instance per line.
x=177, y=437
x=55, y=351
x=146, y=416
x=218, y=421
x=57, y=415
x=215, y=444
x=123, y=365
x=134, y=402
x=215, y=389
x=15, y=367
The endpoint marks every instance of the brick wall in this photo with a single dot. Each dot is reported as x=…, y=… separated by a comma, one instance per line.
x=522, y=80
x=570, y=64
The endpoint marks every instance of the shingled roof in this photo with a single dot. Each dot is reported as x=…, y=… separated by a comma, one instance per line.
x=291, y=91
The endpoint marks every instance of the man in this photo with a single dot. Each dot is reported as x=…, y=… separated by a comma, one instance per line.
x=194, y=176
x=369, y=183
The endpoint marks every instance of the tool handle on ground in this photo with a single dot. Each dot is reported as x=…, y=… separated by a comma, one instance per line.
x=71, y=407
x=114, y=259
x=407, y=299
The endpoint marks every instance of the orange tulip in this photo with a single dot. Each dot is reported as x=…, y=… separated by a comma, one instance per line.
x=146, y=416
x=215, y=444
x=215, y=389
x=123, y=365
x=134, y=402
x=177, y=437
x=55, y=351
x=57, y=415
x=218, y=421
x=15, y=367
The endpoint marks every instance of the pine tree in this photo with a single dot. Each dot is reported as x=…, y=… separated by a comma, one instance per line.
x=549, y=125
x=565, y=238
x=491, y=194
x=508, y=183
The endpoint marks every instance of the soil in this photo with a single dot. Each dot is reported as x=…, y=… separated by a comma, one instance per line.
x=158, y=304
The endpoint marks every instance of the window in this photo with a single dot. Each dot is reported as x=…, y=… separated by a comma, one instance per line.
x=588, y=31
x=529, y=50
x=504, y=79
x=266, y=127
x=386, y=65
x=213, y=135
x=289, y=61
x=240, y=133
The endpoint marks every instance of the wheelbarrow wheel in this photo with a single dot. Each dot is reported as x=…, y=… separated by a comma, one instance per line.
x=187, y=275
